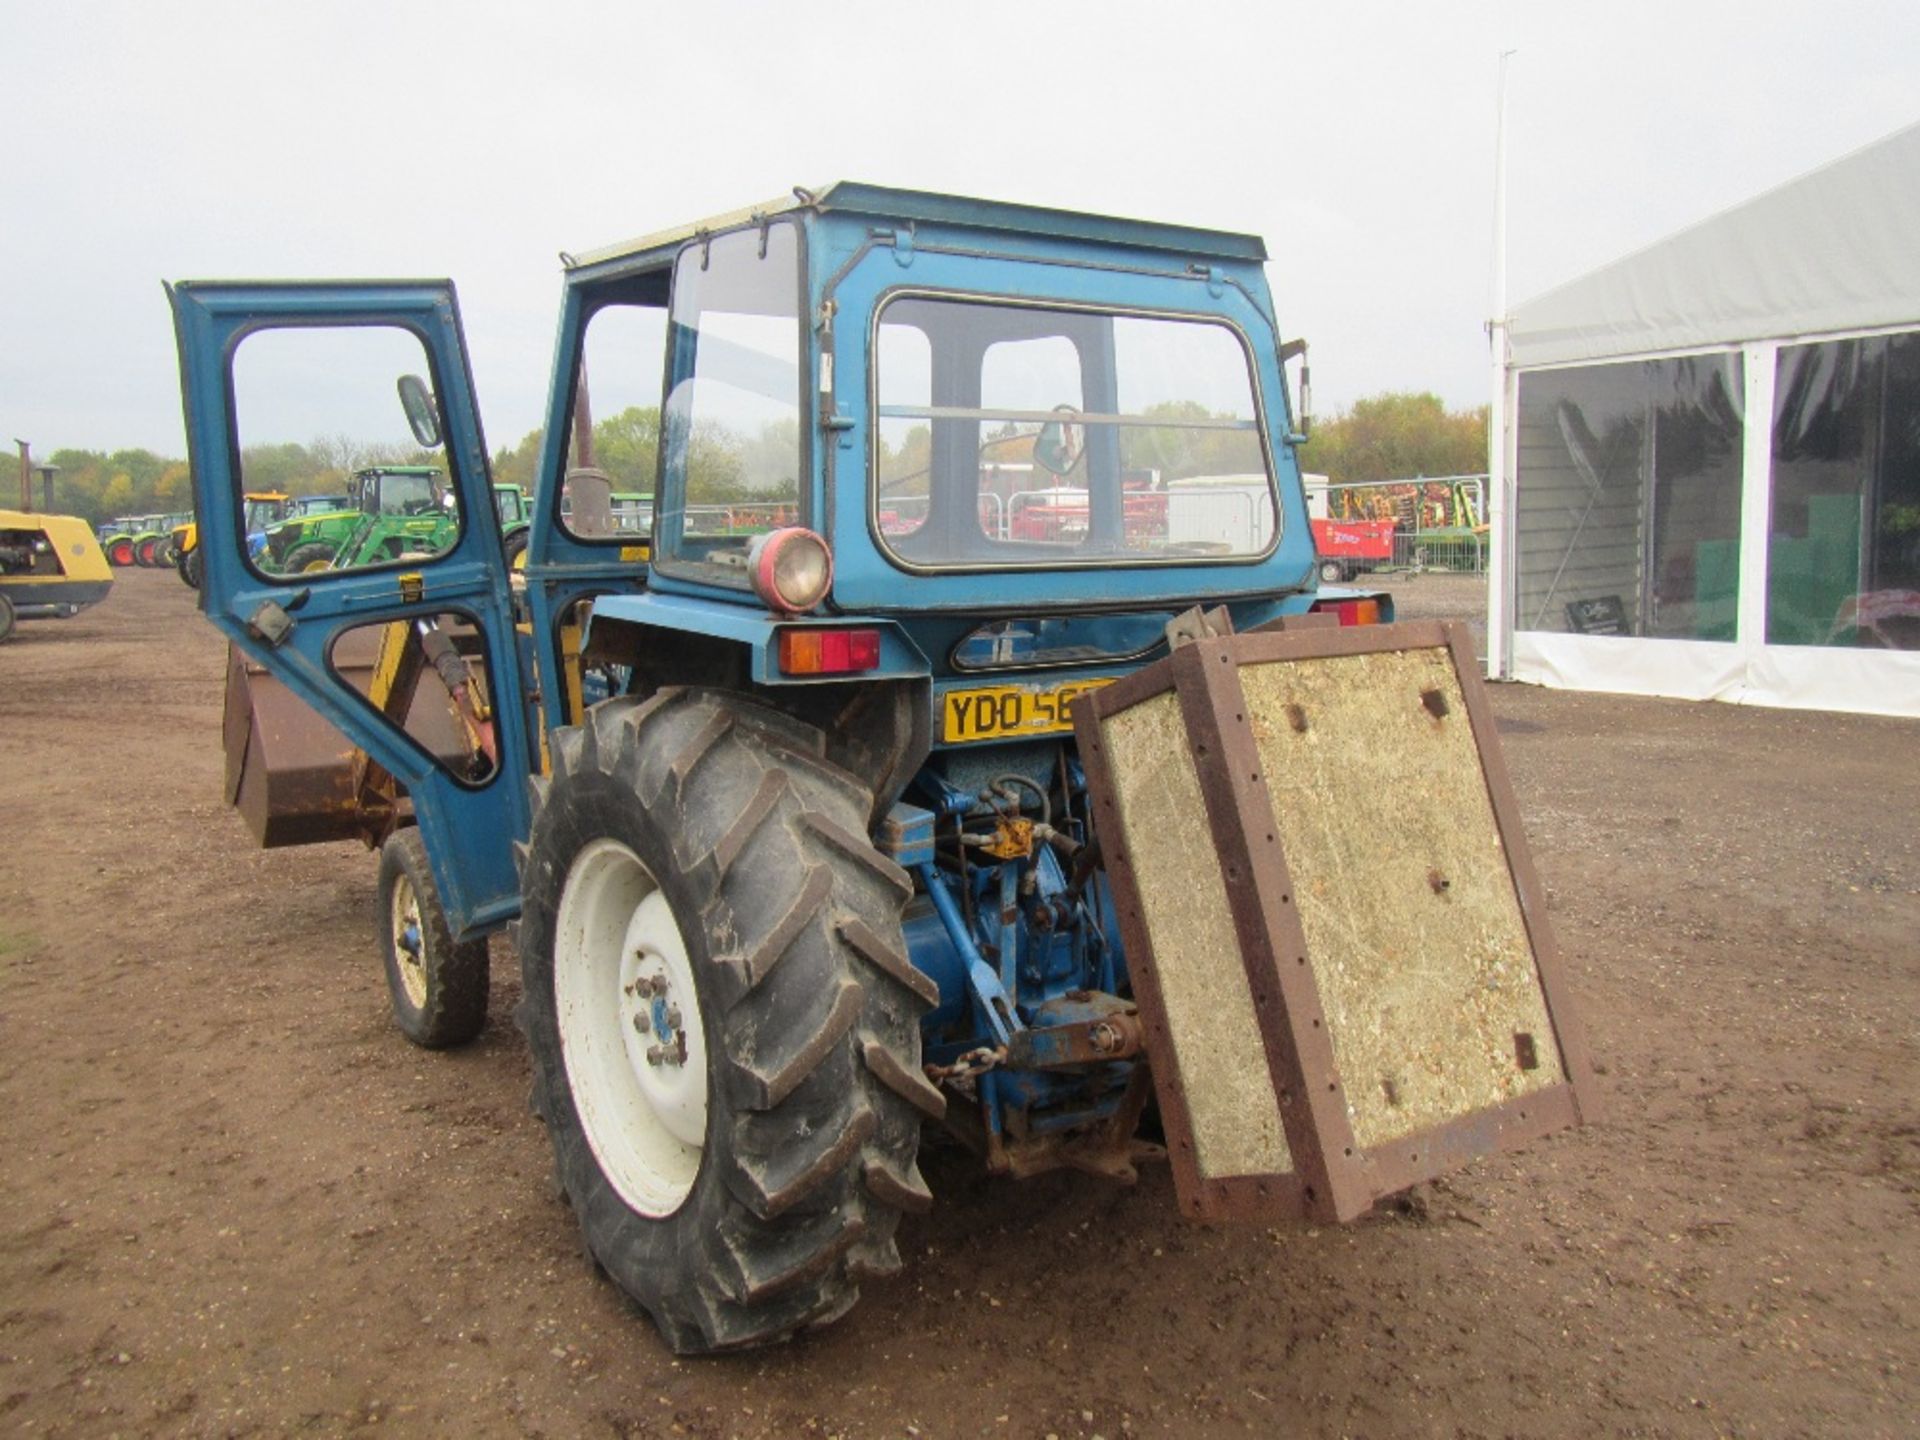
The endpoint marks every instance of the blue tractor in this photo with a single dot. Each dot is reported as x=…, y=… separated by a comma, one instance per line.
x=785, y=813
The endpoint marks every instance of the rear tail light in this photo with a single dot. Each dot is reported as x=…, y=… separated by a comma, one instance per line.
x=829, y=652
x=1351, y=612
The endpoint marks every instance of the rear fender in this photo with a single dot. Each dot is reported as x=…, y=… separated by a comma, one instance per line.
x=878, y=724
x=756, y=634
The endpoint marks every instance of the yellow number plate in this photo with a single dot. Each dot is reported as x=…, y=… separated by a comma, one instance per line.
x=996, y=712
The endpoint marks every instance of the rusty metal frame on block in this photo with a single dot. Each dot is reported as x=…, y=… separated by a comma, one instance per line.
x=1334, y=1178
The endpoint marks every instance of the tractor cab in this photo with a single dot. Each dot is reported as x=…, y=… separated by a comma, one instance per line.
x=398, y=490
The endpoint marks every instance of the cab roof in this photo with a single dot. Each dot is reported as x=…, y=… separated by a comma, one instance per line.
x=924, y=207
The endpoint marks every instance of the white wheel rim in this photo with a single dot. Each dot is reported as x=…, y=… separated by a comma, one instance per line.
x=621, y=978
x=409, y=942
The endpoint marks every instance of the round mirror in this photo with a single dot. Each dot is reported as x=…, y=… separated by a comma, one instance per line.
x=422, y=414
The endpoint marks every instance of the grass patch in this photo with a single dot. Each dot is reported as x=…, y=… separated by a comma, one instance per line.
x=16, y=943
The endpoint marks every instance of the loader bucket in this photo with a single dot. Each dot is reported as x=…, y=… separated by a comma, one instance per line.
x=1335, y=933
x=290, y=774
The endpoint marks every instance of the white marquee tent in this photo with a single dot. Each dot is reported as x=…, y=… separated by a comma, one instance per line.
x=1709, y=481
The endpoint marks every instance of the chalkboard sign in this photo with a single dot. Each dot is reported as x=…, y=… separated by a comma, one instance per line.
x=1604, y=615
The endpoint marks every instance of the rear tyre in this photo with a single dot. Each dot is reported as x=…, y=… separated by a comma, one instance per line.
x=120, y=553
x=7, y=619
x=306, y=559
x=1333, y=572
x=438, y=986
x=723, y=1022
x=143, y=554
x=516, y=548
x=192, y=565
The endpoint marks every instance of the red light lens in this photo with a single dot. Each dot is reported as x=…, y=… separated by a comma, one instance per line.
x=1350, y=612
x=829, y=652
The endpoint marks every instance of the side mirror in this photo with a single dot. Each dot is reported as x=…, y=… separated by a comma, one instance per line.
x=1303, y=412
x=423, y=416
x=1058, y=445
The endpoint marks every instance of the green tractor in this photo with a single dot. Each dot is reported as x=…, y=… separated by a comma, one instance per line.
x=150, y=538
x=116, y=540
x=391, y=511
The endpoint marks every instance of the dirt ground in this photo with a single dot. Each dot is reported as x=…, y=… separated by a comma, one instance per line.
x=233, y=1201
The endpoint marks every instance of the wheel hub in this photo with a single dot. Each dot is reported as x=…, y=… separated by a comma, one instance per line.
x=654, y=1031
x=408, y=949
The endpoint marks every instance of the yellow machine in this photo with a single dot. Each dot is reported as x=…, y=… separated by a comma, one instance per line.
x=263, y=508
x=50, y=565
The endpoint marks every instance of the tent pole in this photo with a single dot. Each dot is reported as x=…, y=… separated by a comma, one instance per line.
x=1499, y=519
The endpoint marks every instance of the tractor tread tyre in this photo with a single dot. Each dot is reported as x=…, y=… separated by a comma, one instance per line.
x=515, y=545
x=7, y=618
x=455, y=1007
x=810, y=1007
x=192, y=567
x=302, y=558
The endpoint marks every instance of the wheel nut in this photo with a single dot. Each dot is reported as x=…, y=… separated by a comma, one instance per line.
x=655, y=1055
x=673, y=1017
x=640, y=1023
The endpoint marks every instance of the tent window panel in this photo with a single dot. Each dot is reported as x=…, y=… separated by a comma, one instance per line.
x=1579, y=491
x=1843, y=539
x=1628, y=515
x=1695, y=408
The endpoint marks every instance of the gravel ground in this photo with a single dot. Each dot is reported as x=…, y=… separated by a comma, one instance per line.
x=237, y=1203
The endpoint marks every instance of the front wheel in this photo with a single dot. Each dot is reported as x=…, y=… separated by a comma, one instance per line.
x=192, y=567
x=438, y=985
x=309, y=559
x=1333, y=572
x=723, y=1021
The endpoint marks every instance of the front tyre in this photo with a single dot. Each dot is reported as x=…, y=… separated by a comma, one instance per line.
x=438, y=986
x=309, y=559
x=723, y=1022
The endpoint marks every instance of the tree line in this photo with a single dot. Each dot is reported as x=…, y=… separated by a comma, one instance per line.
x=1395, y=435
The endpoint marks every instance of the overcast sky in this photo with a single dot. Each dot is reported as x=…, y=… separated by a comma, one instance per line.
x=202, y=140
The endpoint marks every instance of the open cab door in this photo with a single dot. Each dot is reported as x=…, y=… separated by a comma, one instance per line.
x=391, y=617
